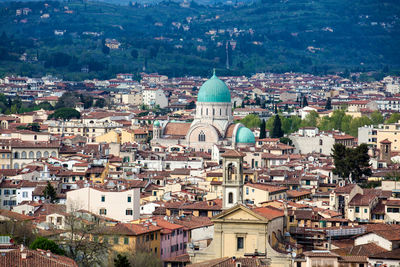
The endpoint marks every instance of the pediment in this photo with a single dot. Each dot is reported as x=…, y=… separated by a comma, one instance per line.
x=239, y=212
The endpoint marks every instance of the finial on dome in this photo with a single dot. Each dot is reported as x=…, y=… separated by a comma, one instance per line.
x=214, y=73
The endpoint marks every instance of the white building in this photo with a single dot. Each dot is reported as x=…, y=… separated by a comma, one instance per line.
x=122, y=205
x=154, y=97
x=310, y=140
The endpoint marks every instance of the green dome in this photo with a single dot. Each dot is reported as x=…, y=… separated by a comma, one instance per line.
x=156, y=124
x=245, y=135
x=214, y=90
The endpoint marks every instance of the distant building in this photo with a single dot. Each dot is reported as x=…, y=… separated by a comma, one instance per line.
x=112, y=43
x=154, y=97
x=310, y=140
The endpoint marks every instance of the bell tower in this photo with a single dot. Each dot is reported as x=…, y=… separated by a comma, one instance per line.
x=156, y=130
x=386, y=151
x=232, y=184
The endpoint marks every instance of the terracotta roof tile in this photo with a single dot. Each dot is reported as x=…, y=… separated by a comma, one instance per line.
x=35, y=258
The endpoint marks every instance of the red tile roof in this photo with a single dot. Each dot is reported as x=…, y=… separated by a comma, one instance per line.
x=34, y=258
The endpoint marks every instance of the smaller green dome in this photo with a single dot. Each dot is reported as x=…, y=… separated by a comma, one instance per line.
x=214, y=90
x=156, y=124
x=245, y=135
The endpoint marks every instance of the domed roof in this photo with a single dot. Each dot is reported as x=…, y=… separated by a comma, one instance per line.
x=214, y=90
x=245, y=135
x=156, y=124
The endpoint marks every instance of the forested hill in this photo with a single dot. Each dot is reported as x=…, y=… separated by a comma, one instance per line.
x=72, y=38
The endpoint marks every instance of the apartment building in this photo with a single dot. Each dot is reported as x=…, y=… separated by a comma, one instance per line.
x=122, y=205
x=155, y=97
x=374, y=135
x=311, y=140
x=90, y=129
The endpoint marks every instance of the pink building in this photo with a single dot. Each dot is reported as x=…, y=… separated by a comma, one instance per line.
x=173, y=238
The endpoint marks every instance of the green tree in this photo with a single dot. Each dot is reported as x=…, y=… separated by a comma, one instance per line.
x=359, y=162
x=100, y=103
x=143, y=256
x=68, y=100
x=50, y=193
x=86, y=100
x=251, y=121
x=395, y=117
x=305, y=102
x=351, y=162
x=191, y=105
x=263, y=132
x=285, y=140
x=339, y=153
x=358, y=122
x=328, y=105
x=45, y=105
x=325, y=124
x=377, y=118
x=65, y=114
x=121, y=261
x=35, y=127
x=345, y=125
x=134, y=54
x=290, y=124
x=311, y=120
x=277, y=128
x=46, y=244
x=105, y=49
x=336, y=118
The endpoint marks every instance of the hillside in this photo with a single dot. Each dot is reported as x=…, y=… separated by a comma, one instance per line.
x=71, y=38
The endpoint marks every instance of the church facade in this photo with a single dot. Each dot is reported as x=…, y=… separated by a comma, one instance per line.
x=212, y=125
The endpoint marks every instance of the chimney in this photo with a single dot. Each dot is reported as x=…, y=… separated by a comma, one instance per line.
x=23, y=252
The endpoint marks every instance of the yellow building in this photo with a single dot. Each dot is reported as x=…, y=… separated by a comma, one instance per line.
x=97, y=174
x=128, y=237
x=258, y=193
x=390, y=132
x=241, y=231
x=113, y=136
x=124, y=136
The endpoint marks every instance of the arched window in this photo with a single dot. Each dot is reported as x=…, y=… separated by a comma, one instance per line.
x=16, y=155
x=23, y=155
x=16, y=166
x=220, y=112
x=201, y=111
x=207, y=111
x=230, y=198
x=31, y=155
x=53, y=154
x=231, y=171
x=38, y=155
x=202, y=137
x=46, y=154
x=213, y=111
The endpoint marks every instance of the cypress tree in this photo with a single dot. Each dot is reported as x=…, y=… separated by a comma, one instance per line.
x=277, y=128
x=305, y=103
x=49, y=192
x=328, y=105
x=263, y=132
